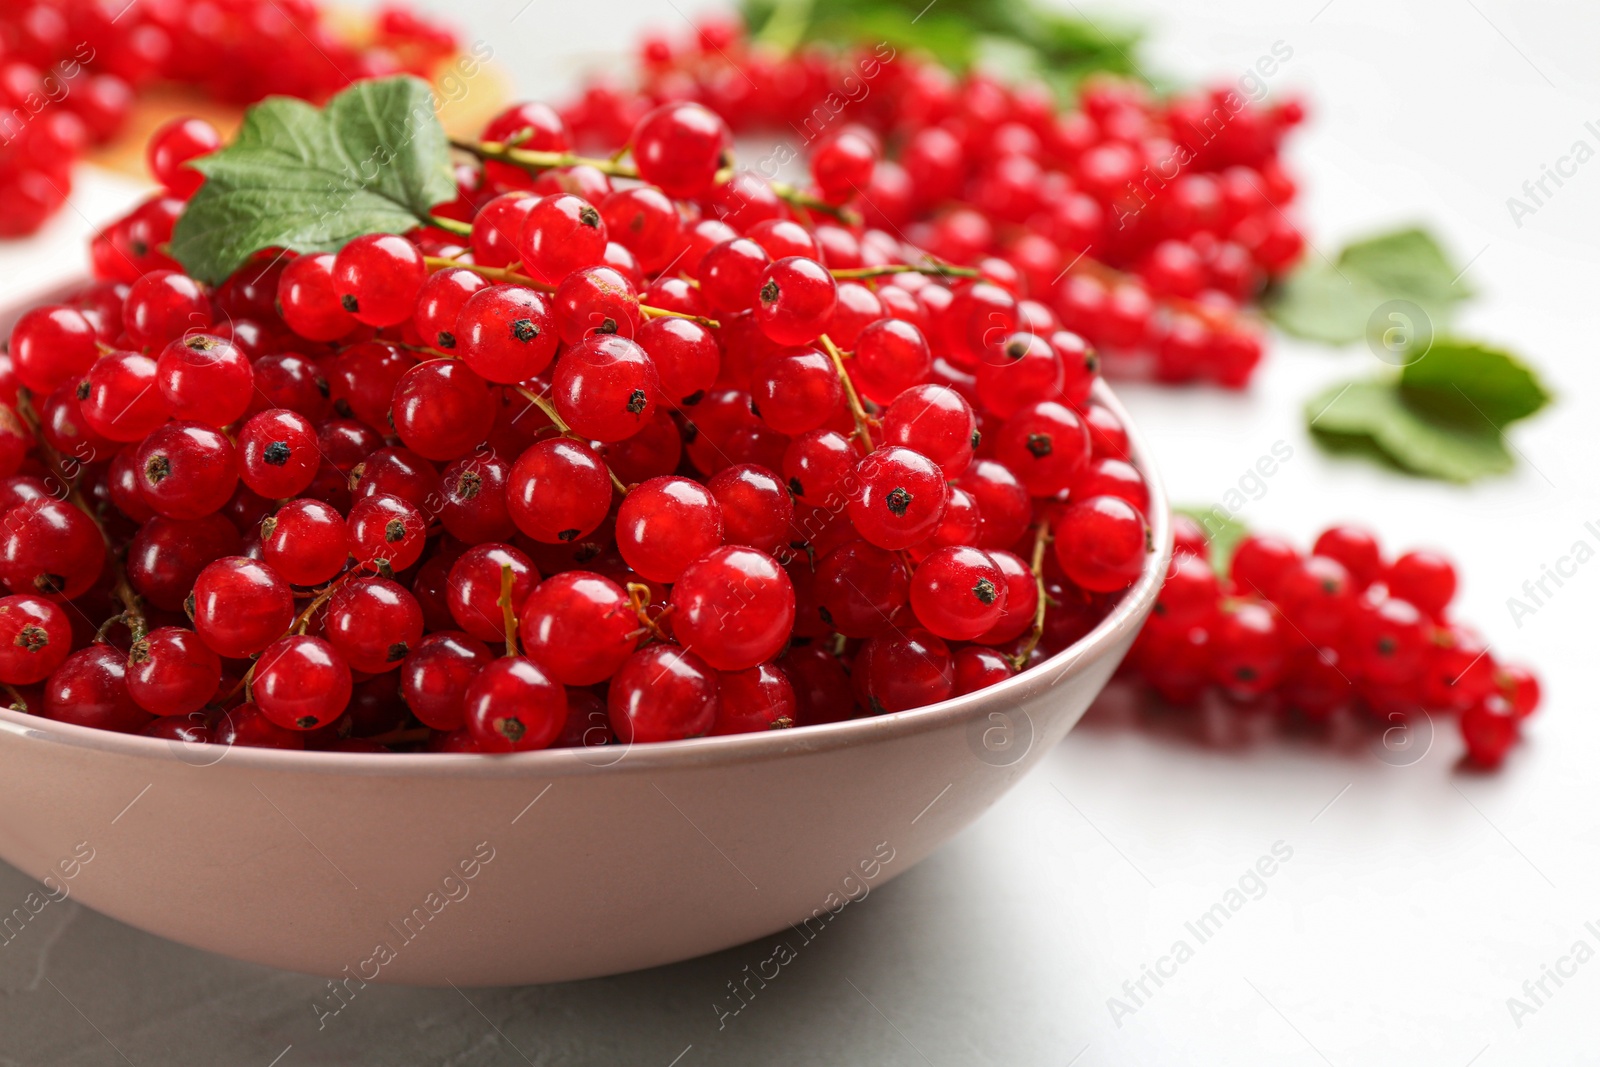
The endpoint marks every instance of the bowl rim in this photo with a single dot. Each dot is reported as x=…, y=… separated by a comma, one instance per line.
x=691, y=752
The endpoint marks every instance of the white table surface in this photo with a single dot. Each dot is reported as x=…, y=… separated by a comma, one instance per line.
x=1417, y=899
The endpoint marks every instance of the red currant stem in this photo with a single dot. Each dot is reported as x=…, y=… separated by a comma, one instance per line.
x=494, y=274
x=620, y=154
x=451, y=225
x=639, y=596
x=550, y=413
x=1040, y=540
x=302, y=621
x=508, y=610
x=539, y=161
x=17, y=701
x=132, y=607
x=806, y=202
x=863, y=421
x=662, y=313
x=937, y=269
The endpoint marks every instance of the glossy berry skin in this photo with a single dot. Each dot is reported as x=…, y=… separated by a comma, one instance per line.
x=306, y=542
x=1489, y=729
x=441, y=409
x=439, y=305
x=579, y=626
x=1424, y=578
x=1390, y=642
x=898, y=670
x=750, y=701
x=172, y=672
x=679, y=147
x=860, y=589
x=301, y=683
x=818, y=467
x=35, y=639
x=1105, y=476
x=645, y=221
x=90, y=689
x=240, y=606
x=513, y=706
x=398, y=472
x=795, y=301
x=289, y=380
x=558, y=491
x=756, y=507
x=162, y=306
x=434, y=677
x=1102, y=543
x=377, y=277
x=373, y=623
x=247, y=725
x=958, y=593
x=1190, y=593
x=175, y=143
x=662, y=693
x=1025, y=369
x=206, y=379
x=843, y=165
x=1260, y=563
x=474, y=589
x=51, y=346
x=898, y=499
x=1249, y=650
x=796, y=391
x=1357, y=549
x=506, y=333
x=605, y=388
x=734, y=607
x=473, y=504
x=595, y=300
x=186, y=470
x=978, y=668
x=685, y=355
x=665, y=524
x=122, y=402
x=50, y=547
x=278, y=453
x=308, y=302
x=1046, y=445
x=1318, y=599
x=166, y=556
x=891, y=356
x=936, y=421
x=730, y=275
x=561, y=234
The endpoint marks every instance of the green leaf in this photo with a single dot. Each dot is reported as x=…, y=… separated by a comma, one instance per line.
x=1333, y=302
x=1223, y=534
x=1493, y=383
x=374, y=160
x=1419, y=439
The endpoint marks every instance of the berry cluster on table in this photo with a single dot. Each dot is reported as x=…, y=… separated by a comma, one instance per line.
x=71, y=72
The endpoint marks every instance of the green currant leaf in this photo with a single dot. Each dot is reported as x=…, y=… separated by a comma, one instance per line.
x=1333, y=302
x=308, y=179
x=1491, y=383
x=1424, y=439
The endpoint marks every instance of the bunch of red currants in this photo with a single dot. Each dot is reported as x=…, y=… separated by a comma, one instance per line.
x=1322, y=635
x=70, y=71
x=588, y=459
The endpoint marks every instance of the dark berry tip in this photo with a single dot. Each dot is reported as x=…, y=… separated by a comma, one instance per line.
x=348, y=302
x=1040, y=445
x=277, y=453
x=899, y=500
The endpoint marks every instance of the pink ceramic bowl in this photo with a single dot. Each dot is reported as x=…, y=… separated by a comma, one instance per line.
x=540, y=867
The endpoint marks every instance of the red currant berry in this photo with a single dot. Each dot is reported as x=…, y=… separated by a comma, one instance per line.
x=958, y=593
x=49, y=546
x=561, y=234
x=439, y=305
x=1249, y=648
x=90, y=689
x=172, y=672
x=164, y=305
x=187, y=470
x=1354, y=547
x=860, y=589
x=434, y=677
x=475, y=588
x=898, y=670
x=605, y=388
x=1260, y=562
x=278, y=453
x=1102, y=543
x=1425, y=578
x=513, y=706
x=734, y=606
x=558, y=491
x=1047, y=446
x=306, y=542
x=441, y=409
x=119, y=399
x=377, y=277
x=595, y=300
x=898, y=499
x=662, y=693
x=373, y=623
x=175, y=143
x=756, y=508
x=686, y=358
x=307, y=300
x=240, y=606
x=205, y=379
x=795, y=301
x=51, y=346
x=891, y=356
x=301, y=683
x=166, y=556
x=760, y=698
x=35, y=639
x=665, y=524
x=679, y=147
x=796, y=391
x=936, y=421
x=579, y=627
